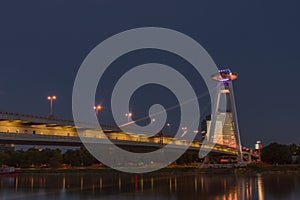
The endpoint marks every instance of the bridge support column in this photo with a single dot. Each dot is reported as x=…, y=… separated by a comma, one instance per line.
x=224, y=127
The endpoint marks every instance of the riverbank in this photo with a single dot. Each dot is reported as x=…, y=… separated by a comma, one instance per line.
x=171, y=170
x=257, y=168
x=263, y=168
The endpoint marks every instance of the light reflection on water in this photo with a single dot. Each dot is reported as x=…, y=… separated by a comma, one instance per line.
x=150, y=186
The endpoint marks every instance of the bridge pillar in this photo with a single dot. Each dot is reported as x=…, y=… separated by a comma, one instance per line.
x=227, y=134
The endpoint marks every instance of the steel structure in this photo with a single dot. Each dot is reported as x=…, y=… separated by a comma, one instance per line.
x=224, y=127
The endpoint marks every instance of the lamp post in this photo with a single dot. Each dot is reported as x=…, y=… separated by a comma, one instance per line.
x=51, y=98
x=97, y=108
x=152, y=121
x=185, y=130
x=169, y=127
x=128, y=115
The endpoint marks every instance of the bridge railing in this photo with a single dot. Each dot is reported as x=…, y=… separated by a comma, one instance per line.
x=18, y=136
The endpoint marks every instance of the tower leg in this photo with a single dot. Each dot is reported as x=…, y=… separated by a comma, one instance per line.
x=235, y=123
x=215, y=109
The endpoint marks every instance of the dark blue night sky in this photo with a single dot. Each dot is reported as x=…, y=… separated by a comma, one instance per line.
x=43, y=43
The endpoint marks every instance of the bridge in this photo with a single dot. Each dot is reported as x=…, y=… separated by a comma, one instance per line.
x=22, y=129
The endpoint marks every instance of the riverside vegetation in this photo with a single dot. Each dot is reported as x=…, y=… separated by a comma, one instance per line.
x=274, y=154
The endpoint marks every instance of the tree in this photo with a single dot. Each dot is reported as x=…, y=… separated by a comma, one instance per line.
x=3, y=158
x=32, y=157
x=276, y=153
x=86, y=158
x=15, y=158
x=72, y=157
x=295, y=149
x=51, y=157
x=55, y=159
x=78, y=157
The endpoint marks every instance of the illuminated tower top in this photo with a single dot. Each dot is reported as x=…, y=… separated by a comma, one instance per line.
x=225, y=76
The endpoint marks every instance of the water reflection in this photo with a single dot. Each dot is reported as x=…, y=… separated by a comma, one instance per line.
x=161, y=186
x=260, y=187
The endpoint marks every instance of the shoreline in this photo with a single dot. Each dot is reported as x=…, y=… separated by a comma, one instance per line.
x=250, y=169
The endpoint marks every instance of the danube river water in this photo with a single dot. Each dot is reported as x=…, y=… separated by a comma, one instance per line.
x=155, y=186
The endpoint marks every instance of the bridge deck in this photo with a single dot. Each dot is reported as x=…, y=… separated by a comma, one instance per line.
x=36, y=130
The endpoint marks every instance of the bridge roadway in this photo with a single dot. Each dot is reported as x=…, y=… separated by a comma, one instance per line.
x=36, y=130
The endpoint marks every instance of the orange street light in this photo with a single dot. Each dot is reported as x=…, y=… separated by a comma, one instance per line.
x=185, y=130
x=51, y=98
x=128, y=115
x=97, y=108
x=152, y=121
x=169, y=127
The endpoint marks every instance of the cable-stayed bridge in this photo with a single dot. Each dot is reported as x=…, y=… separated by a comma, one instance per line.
x=22, y=129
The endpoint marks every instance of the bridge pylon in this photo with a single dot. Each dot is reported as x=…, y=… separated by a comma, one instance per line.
x=223, y=128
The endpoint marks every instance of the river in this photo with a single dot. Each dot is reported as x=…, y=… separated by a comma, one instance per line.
x=159, y=186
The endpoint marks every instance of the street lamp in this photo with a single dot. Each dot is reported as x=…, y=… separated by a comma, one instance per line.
x=153, y=120
x=128, y=115
x=169, y=127
x=185, y=130
x=51, y=98
x=97, y=108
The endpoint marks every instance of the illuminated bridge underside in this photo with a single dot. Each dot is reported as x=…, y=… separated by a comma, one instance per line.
x=33, y=130
x=53, y=140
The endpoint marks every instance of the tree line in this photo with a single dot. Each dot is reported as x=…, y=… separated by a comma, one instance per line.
x=52, y=158
x=275, y=153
